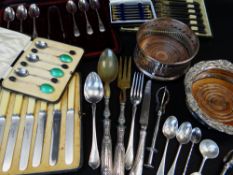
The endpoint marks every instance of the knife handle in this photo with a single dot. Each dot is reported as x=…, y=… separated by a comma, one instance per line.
x=71, y=93
x=43, y=106
x=31, y=105
x=138, y=162
x=4, y=102
x=57, y=106
x=18, y=103
x=106, y=150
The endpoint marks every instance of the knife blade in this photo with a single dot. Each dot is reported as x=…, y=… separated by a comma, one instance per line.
x=69, y=142
x=40, y=135
x=5, y=97
x=54, y=149
x=144, y=118
x=26, y=143
x=12, y=133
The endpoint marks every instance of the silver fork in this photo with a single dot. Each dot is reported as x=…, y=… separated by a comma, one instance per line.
x=135, y=98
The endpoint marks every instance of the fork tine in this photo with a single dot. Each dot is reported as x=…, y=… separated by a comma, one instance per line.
x=141, y=85
x=120, y=71
x=125, y=68
x=129, y=70
x=133, y=85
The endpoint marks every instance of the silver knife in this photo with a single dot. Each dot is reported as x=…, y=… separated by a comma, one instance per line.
x=145, y=110
x=27, y=135
x=12, y=133
x=41, y=123
x=54, y=149
x=69, y=142
x=5, y=97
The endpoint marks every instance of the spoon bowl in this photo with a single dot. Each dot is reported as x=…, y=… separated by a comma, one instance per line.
x=170, y=127
x=21, y=14
x=196, y=135
x=184, y=133
x=209, y=149
x=21, y=72
x=34, y=11
x=9, y=15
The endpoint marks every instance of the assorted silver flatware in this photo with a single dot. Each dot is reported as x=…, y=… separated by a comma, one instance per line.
x=183, y=136
x=27, y=135
x=209, y=150
x=124, y=77
x=40, y=132
x=228, y=162
x=135, y=98
x=137, y=167
x=55, y=139
x=21, y=14
x=93, y=93
x=9, y=15
x=71, y=8
x=169, y=130
x=195, y=138
x=15, y=119
x=34, y=12
x=162, y=99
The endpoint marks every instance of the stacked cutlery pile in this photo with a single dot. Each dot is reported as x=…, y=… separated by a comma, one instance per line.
x=191, y=12
x=35, y=135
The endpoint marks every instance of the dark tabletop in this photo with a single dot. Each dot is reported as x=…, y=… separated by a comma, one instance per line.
x=219, y=47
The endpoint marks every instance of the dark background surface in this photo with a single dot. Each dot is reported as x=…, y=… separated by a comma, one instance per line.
x=220, y=14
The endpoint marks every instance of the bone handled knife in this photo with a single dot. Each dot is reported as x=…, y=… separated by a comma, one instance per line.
x=54, y=149
x=41, y=123
x=12, y=133
x=69, y=142
x=5, y=97
x=27, y=135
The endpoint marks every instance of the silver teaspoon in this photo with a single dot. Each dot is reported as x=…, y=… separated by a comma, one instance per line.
x=71, y=7
x=83, y=6
x=34, y=12
x=183, y=136
x=21, y=14
x=9, y=15
x=93, y=93
x=95, y=5
x=170, y=128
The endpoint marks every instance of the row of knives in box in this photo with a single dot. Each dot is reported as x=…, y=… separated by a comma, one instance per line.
x=191, y=12
x=32, y=131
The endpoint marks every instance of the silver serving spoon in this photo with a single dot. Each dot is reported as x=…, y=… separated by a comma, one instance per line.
x=34, y=12
x=183, y=136
x=71, y=7
x=93, y=93
x=170, y=128
x=9, y=15
x=21, y=14
x=95, y=5
x=83, y=6
x=195, y=138
x=209, y=150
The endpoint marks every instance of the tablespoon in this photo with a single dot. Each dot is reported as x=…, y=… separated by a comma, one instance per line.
x=195, y=138
x=170, y=128
x=93, y=93
x=71, y=7
x=209, y=150
x=95, y=5
x=21, y=14
x=183, y=136
x=9, y=15
x=83, y=6
x=34, y=12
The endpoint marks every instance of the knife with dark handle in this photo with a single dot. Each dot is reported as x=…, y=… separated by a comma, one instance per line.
x=27, y=135
x=145, y=110
x=12, y=133
x=5, y=97
x=54, y=149
x=69, y=142
x=41, y=122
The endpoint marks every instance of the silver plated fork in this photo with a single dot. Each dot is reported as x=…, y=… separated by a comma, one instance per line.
x=135, y=98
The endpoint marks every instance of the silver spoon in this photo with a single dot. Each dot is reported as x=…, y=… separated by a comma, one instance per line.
x=21, y=14
x=9, y=15
x=209, y=150
x=83, y=6
x=34, y=12
x=93, y=92
x=95, y=5
x=170, y=128
x=195, y=138
x=71, y=7
x=183, y=136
